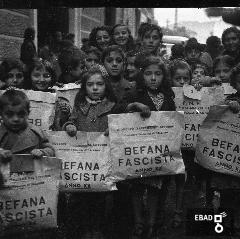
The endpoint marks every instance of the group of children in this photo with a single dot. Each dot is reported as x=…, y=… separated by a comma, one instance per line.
x=117, y=75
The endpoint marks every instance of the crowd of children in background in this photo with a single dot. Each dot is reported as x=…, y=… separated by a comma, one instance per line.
x=118, y=74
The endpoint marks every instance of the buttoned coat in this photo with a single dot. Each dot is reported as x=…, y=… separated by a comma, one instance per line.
x=93, y=118
x=31, y=138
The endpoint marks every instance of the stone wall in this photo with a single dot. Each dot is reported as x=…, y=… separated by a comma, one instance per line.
x=12, y=25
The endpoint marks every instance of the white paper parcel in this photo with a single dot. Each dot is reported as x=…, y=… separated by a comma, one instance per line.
x=146, y=147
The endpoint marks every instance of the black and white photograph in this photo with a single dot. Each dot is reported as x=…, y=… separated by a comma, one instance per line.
x=119, y=122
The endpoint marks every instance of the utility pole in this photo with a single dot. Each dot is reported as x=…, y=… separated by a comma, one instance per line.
x=176, y=19
x=167, y=23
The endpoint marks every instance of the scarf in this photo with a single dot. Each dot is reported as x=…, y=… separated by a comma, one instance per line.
x=157, y=99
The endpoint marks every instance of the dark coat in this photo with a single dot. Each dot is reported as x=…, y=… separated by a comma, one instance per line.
x=144, y=98
x=31, y=138
x=93, y=118
x=28, y=52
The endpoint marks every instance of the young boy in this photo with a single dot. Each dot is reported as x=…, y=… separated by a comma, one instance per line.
x=16, y=136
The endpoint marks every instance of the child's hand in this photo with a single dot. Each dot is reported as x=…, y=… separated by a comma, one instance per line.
x=144, y=111
x=71, y=130
x=106, y=133
x=139, y=107
x=197, y=86
x=37, y=153
x=59, y=84
x=64, y=107
x=5, y=155
x=234, y=106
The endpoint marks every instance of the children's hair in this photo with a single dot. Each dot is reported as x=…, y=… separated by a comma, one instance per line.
x=213, y=42
x=192, y=43
x=229, y=30
x=95, y=69
x=225, y=59
x=165, y=87
x=199, y=64
x=14, y=97
x=130, y=42
x=235, y=71
x=93, y=34
x=94, y=50
x=177, y=51
x=132, y=53
x=8, y=65
x=113, y=48
x=148, y=27
x=41, y=65
x=179, y=64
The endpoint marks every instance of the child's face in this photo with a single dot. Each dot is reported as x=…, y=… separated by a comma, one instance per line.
x=91, y=60
x=102, y=39
x=77, y=71
x=181, y=77
x=15, y=78
x=237, y=83
x=231, y=42
x=131, y=69
x=41, y=79
x=15, y=117
x=153, y=77
x=121, y=35
x=95, y=87
x=223, y=71
x=192, y=55
x=114, y=64
x=198, y=73
x=151, y=41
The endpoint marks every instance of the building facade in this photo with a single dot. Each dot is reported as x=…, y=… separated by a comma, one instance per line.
x=79, y=21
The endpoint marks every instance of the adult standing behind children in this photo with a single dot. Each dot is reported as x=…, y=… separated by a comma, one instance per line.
x=28, y=48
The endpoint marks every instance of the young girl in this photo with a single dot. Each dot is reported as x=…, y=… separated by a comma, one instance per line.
x=150, y=37
x=225, y=188
x=100, y=37
x=200, y=76
x=93, y=103
x=113, y=59
x=154, y=91
x=93, y=56
x=222, y=67
x=181, y=75
x=122, y=37
x=12, y=74
x=131, y=70
x=41, y=76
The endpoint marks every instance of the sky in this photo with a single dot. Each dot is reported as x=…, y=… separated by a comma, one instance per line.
x=184, y=14
x=191, y=14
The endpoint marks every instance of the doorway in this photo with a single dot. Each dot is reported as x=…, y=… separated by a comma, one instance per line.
x=50, y=21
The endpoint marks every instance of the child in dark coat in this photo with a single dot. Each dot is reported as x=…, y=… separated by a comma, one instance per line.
x=16, y=136
x=93, y=103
